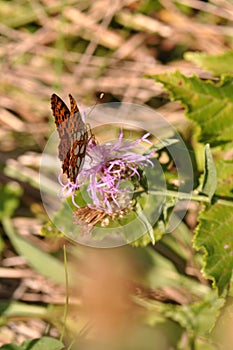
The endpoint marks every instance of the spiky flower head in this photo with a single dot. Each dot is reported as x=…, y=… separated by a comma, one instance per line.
x=110, y=174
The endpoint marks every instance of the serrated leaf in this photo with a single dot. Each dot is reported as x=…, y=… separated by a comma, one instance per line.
x=198, y=318
x=214, y=236
x=217, y=64
x=208, y=104
x=210, y=175
x=225, y=178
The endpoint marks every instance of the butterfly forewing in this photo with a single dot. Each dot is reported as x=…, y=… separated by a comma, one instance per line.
x=73, y=105
x=60, y=110
x=73, y=136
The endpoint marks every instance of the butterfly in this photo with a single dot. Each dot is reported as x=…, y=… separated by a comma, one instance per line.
x=73, y=135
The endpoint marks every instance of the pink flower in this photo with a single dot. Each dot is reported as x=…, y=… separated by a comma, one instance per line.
x=111, y=173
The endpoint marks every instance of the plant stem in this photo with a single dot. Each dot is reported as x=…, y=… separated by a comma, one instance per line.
x=67, y=295
x=191, y=197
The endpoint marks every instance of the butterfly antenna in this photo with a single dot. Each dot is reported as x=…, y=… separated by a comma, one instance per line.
x=92, y=136
x=101, y=96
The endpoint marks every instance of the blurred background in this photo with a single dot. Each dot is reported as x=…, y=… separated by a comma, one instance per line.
x=83, y=48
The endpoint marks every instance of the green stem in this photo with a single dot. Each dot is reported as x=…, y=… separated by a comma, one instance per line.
x=67, y=295
x=224, y=202
x=30, y=16
x=192, y=197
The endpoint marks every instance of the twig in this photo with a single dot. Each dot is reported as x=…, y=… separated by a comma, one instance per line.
x=219, y=11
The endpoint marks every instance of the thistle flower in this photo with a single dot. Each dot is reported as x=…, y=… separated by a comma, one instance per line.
x=110, y=174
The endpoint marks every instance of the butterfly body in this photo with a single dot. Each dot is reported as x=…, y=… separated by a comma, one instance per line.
x=73, y=135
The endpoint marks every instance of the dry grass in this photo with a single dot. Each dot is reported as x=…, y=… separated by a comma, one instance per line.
x=83, y=47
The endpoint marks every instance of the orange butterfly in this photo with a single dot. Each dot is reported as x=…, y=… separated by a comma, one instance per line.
x=73, y=134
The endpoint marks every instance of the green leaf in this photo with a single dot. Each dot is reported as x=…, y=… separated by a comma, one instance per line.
x=144, y=220
x=208, y=104
x=217, y=64
x=222, y=332
x=198, y=318
x=214, y=236
x=10, y=195
x=13, y=309
x=42, y=262
x=210, y=175
x=50, y=230
x=42, y=344
x=225, y=178
x=164, y=144
x=11, y=346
